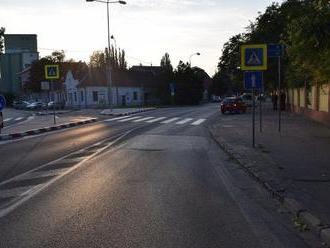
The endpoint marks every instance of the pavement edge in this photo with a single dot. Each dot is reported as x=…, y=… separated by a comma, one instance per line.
x=45, y=129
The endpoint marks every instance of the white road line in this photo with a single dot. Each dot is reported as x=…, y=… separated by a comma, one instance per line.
x=130, y=119
x=40, y=174
x=8, y=119
x=19, y=191
x=170, y=120
x=198, y=122
x=157, y=119
x=118, y=118
x=144, y=119
x=19, y=118
x=184, y=121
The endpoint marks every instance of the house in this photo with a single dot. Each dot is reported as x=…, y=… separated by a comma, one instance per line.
x=89, y=88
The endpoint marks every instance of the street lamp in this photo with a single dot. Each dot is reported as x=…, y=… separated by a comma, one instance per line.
x=109, y=38
x=198, y=54
x=114, y=39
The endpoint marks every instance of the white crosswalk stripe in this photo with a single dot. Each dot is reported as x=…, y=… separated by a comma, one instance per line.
x=157, y=119
x=170, y=120
x=143, y=119
x=184, y=121
x=130, y=119
x=19, y=118
x=198, y=122
x=118, y=118
x=8, y=119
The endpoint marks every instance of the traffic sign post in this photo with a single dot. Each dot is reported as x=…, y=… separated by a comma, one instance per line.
x=253, y=80
x=52, y=72
x=276, y=51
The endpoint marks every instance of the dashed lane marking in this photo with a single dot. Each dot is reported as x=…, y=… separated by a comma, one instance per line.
x=19, y=118
x=198, y=122
x=184, y=121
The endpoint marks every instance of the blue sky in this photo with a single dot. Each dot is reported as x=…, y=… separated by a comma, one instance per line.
x=146, y=29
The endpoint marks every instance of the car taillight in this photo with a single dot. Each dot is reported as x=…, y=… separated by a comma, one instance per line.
x=235, y=105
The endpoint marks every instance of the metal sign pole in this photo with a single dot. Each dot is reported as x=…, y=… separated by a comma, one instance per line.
x=279, y=95
x=1, y=122
x=54, y=112
x=260, y=112
x=253, y=118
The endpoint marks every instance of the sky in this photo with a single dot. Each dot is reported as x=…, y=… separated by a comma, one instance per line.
x=145, y=29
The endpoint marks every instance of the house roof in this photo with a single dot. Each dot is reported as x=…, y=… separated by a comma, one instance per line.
x=97, y=77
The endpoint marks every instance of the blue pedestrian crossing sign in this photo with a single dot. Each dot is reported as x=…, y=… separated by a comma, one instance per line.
x=275, y=50
x=254, y=57
x=52, y=72
x=253, y=80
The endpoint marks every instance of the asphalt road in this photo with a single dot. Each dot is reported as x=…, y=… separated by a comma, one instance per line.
x=157, y=180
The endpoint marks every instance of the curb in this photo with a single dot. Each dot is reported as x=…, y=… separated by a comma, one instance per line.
x=291, y=204
x=130, y=113
x=44, y=130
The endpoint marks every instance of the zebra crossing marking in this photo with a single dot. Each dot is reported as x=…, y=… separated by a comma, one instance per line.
x=170, y=120
x=184, y=121
x=157, y=119
x=130, y=119
x=198, y=122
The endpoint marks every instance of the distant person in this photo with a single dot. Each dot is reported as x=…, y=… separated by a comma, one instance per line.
x=282, y=100
x=274, y=101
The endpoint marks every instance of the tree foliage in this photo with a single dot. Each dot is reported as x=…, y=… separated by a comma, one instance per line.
x=165, y=78
x=189, y=86
x=303, y=26
x=117, y=58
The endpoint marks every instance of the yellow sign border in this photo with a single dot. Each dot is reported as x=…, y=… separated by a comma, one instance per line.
x=57, y=76
x=263, y=67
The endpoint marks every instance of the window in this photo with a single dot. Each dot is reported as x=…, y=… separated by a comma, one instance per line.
x=75, y=96
x=82, y=96
x=95, y=96
x=135, y=96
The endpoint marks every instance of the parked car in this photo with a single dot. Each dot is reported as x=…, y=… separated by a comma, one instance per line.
x=20, y=104
x=233, y=105
x=35, y=106
x=216, y=98
x=57, y=105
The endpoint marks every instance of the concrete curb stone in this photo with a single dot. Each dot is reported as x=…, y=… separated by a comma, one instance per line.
x=44, y=129
x=294, y=206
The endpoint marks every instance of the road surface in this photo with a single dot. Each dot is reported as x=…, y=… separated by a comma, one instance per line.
x=155, y=179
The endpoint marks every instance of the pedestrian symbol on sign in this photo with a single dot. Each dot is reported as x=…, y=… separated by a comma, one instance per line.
x=254, y=60
x=52, y=72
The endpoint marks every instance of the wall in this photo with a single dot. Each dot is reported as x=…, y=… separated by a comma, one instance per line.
x=314, y=104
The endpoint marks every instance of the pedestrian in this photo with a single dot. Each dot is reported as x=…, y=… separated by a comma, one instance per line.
x=282, y=100
x=274, y=101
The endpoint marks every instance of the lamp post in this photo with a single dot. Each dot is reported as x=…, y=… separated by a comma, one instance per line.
x=109, y=39
x=114, y=39
x=198, y=54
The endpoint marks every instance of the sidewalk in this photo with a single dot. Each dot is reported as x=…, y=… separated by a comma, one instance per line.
x=293, y=165
x=38, y=124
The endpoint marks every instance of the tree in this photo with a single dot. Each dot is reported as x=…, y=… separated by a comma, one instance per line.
x=117, y=58
x=56, y=56
x=189, y=86
x=165, y=78
x=2, y=33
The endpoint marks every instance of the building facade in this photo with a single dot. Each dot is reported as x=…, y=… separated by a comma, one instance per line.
x=20, y=52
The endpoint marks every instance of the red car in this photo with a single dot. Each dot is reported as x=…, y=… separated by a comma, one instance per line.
x=233, y=105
